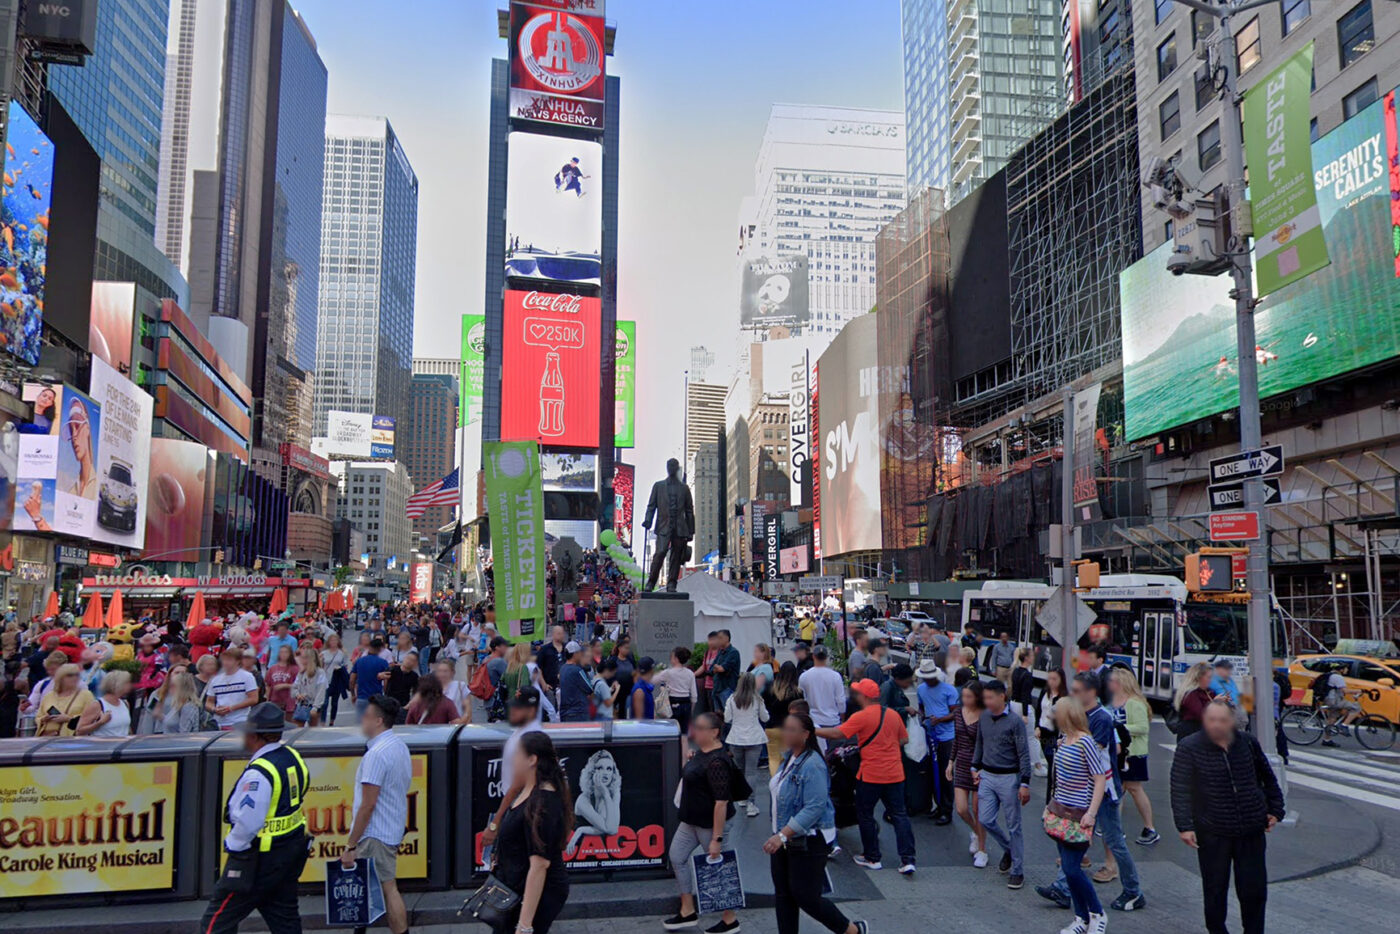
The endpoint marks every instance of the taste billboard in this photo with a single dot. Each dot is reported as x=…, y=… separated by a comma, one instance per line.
x=557, y=62
x=549, y=369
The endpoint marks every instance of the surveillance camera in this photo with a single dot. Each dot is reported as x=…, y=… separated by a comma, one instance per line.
x=1178, y=262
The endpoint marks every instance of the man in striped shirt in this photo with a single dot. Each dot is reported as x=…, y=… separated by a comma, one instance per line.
x=381, y=804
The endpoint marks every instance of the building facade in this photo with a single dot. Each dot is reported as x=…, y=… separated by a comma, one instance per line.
x=1005, y=77
x=928, y=155
x=428, y=441
x=708, y=482
x=373, y=496
x=825, y=182
x=116, y=99
x=704, y=417
x=369, y=259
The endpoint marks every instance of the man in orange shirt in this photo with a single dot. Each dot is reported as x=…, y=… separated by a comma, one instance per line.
x=881, y=735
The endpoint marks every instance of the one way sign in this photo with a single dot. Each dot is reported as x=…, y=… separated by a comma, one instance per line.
x=1227, y=496
x=1267, y=462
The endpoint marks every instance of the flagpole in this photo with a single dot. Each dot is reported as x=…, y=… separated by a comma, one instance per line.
x=458, y=558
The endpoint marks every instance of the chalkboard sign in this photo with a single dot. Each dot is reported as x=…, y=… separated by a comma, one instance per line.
x=354, y=898
x=717, y=885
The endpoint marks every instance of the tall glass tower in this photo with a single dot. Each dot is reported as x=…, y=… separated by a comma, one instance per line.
x=369, y=258
x=116, y=100
x=926, y=103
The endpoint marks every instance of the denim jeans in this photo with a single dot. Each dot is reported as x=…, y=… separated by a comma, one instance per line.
x=1081, y=888
x=1110, y=822
x=867, y=795
x=361, y=704
x=996, y=795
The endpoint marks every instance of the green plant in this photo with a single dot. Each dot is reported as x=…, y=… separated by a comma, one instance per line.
x=836, y=649
x=697, y=655
x=129, y=665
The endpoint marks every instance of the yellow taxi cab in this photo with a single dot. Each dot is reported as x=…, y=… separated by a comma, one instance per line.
x=1376, y=677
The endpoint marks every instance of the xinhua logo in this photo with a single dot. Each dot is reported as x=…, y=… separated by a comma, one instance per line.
x=561, y=52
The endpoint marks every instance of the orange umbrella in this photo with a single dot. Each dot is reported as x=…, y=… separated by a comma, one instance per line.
x=92, y=619
x=114, y=610
x=197, y=611
x=51, y=608
x=279, y=601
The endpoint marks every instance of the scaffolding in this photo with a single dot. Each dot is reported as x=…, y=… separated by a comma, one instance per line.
x=1073, y=222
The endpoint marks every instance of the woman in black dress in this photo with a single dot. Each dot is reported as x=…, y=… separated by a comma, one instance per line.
x=965, y=728
x=530, y=844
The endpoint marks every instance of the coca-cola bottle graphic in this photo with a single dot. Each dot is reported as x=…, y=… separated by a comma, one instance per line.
x=551, y=397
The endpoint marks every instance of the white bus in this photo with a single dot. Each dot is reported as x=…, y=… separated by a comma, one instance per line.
x=1148, y=622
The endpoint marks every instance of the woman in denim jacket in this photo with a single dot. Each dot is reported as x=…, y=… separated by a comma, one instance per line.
x=804, y=826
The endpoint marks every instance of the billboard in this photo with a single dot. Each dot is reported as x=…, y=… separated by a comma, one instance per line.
x=557, y=62
x=774, y=290
x=1179, y=358
x=70, y=25
x=381, y=437
x=110, y=329
x=58, y=465
x=624, y=487
x=577, y=472
x=175, y=515
x=799, y=427
x=471, y=382
x=349, y=434
x=554, y=209
x=422, y=582
x=625, y=386
x=124, y=464
x=515, y=504
x=24, y=224
x=549, y=369
x=793, y=560
x=849, y=441
x=773, y=545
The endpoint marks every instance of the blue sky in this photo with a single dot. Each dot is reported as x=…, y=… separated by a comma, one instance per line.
x=698, y=80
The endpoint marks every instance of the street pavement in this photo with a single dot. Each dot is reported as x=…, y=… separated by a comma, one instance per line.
x=1331, y=866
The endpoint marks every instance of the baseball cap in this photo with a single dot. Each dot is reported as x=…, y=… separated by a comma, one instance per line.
x=866, y=688
x=572, y=647
x=526, y=697
x=645, y=664
x=266, y=717
x=821, y=651
x=1225, y=663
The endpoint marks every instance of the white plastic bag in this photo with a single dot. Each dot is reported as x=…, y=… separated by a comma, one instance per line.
x=916, y=746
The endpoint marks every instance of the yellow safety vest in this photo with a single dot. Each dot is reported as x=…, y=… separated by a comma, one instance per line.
x=287, y=771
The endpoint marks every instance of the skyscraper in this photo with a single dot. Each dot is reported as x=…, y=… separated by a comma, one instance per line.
x=369, y=258
x=116, y=99
x=428, y=441
x=704, y=416
x=255, y=223
x=1004, y=74
x=926, y=102
x=826, y=180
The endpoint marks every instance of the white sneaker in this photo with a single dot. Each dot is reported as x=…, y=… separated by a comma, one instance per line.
x=1077, y=926
x=1041, y=769
x=1098, y=924
x=752, y=809
x=980, y=859
x=971, y=842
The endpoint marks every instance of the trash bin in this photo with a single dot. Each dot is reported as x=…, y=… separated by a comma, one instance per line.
x=623, y=777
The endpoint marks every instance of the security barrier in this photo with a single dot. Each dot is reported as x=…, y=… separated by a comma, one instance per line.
x=94, y=821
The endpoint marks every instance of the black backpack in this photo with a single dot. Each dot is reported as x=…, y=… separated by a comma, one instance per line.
x=1319, y=688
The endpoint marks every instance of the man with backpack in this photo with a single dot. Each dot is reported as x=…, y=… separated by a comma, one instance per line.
x=488, y=678
x=881, y=735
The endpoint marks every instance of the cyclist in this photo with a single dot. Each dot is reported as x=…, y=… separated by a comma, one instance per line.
x=1343, y=707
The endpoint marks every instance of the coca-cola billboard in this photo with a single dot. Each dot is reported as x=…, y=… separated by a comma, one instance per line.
x=549, y=369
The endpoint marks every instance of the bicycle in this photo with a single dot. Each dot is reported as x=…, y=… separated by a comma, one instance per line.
x=1307, y=725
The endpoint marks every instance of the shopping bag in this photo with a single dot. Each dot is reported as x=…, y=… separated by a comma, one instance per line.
x=354, y=897
x=916, y=746
x=718, y=886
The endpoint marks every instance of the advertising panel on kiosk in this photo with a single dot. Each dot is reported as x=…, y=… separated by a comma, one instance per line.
x=557, y=55
x=554, y=210
x=549, y=369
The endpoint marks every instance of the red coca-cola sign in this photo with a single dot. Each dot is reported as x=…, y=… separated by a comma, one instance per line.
x=549, y=369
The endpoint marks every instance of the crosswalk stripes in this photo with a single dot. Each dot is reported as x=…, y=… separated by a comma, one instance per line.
x=1369, y=778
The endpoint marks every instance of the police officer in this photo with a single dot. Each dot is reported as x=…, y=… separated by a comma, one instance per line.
x=268, y=845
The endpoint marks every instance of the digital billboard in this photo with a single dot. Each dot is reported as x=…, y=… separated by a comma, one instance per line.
x=124, y=444
x=557, y=62
x=774, y=290
x=625, y=386
x=848, y=448
x=179, y=474
x=471, y=381
x=566, y=472
x=381, y=437
x=793, y=560
x=1179, y=357
x=110, y=329
x=549, y=369
x=24, y=234
x=58, y=461
x=554, y=209
x=624, y=485
x=349, y=434
x=422, y=577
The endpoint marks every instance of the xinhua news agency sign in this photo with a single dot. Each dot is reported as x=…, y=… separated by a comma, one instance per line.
x=1289, y=242
x=515, y=504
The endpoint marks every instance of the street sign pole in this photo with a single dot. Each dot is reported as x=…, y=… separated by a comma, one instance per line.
x=1251, y=431
x=1068, y=636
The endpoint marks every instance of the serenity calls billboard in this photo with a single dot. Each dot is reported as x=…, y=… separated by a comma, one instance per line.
x=557, y=62
x=549, y=369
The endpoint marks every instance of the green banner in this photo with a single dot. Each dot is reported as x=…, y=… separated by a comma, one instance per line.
x=469, y=385
x=1288, y=238
x=515, y=505
x=625, y=386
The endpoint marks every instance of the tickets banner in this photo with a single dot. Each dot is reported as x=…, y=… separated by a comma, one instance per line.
x=76, y=829
x=330, y=805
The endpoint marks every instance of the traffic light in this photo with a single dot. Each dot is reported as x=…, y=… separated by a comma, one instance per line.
x=1211, y=570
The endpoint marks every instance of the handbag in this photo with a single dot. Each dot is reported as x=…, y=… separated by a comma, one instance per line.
x=302, y=713
x=491, y=904
x=1063, y=823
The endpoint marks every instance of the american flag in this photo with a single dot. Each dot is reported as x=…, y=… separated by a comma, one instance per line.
x=446, y=492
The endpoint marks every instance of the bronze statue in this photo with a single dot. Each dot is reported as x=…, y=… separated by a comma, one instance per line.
x=674, y=509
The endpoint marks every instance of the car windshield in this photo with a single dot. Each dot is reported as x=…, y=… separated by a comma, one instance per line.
x=120, y=474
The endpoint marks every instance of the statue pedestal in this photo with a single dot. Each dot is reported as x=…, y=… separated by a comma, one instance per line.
x=660, y=622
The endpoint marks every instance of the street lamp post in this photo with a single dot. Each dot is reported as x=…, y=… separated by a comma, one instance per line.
x=1251, y=432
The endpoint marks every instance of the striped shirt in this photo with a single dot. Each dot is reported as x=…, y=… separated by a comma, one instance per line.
x=388, y=765
x=1076, y=764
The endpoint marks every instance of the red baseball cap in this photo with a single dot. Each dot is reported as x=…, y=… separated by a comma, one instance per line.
x=867, y=688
